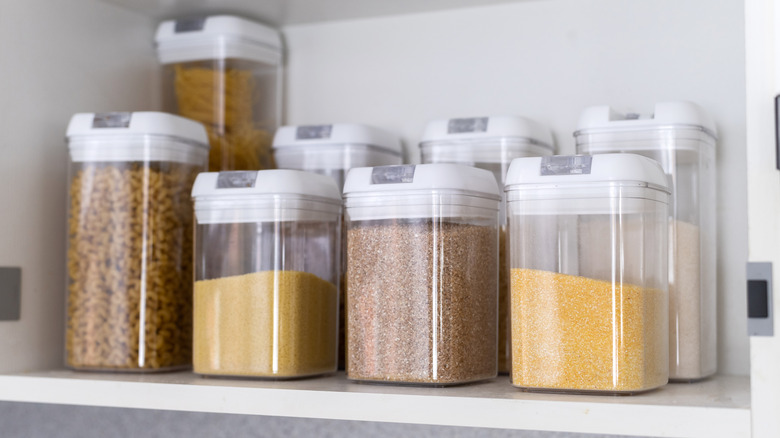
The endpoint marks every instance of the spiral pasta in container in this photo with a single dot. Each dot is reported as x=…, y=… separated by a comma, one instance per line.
x=225, y=72
x=129, y=262
x=267, y=255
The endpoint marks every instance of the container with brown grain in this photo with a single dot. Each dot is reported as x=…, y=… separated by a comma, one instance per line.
x=130, y=240
x=422, y=274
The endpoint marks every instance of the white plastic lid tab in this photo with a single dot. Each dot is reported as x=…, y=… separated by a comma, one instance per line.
x=217, y=37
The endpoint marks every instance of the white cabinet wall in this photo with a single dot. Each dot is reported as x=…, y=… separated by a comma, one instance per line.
x=397, y=65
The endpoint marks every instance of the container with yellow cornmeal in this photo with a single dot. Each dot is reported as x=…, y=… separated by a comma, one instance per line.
x=574, y=333
x=274, y=324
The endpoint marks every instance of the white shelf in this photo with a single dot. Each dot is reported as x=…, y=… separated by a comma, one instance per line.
x=718, y=407
x=281, y=12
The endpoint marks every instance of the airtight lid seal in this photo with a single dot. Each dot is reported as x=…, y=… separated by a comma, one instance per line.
x=482, y=128
x=336, y=134
x=579, y=170
x=265, y=196
x=587, y=184
x=217, y=37
x=420, y=191
x=666, y=115
x=136, y=136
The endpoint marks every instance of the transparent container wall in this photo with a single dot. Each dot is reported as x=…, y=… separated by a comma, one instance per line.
x=129, y=305
x=588, y=298
x=494, y=156
x=238, y=101
x=422, y=300
x=266, y=300
x=687, y=157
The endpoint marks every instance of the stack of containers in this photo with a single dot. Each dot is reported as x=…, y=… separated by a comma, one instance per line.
x=680, y=136
x=489, y=143
x=267, y=254
x=588, y=257
x=225, y=72
x=130, y=240
x=422, y=274
x=332, y=150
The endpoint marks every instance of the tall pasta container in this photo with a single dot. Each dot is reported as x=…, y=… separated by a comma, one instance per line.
x=680, y=136
x=332, y=150
x=267, y=255
x=489, y=143
x=422, y=274
x=129, y=282
x=225, y=72
x=588, y=257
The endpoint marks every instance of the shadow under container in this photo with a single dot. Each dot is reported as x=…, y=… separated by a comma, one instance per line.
x=489, y=143
x=267, y=259
x=129, y=272
x=225, y=72
x=332, y=150
x=588, y=258
x=681, y=137
x=422, y=274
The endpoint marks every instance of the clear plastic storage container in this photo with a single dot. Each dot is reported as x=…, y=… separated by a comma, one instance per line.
x=422, y=274
x=588, y=258
x=129, y=285
x=490, y=143
x=334, y=149
x=225, y=72
x=267, y=258
x=680, y=136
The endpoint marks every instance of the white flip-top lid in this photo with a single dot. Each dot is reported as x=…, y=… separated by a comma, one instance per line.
x=679, y=114
x=217, y=37
x=336, y=134
x=254, y=196
x=114, y=136
x=410, y=191
x=480, y=128
x=586, y=169
x=587, y=184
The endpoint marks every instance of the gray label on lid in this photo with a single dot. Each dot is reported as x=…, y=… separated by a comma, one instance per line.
x=194, y=24
x=393, y=174
x=111, y=120
x=566, y=165
x=313, y=132
x=473, y=124
x=237, y=179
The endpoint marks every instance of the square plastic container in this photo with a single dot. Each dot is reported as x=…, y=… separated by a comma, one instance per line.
x=422, y=274
x=225, y=72
x=680, y=136
x=267, y=255
x=334, y=149
x=588, y=257
x=489, y=143
x=129, y=300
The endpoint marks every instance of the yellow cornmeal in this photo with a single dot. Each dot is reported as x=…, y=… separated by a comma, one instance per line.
x=238, y=332
x=569, y=333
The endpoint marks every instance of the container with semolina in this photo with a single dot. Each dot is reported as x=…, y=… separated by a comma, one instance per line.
x=422, y=274
x=681, y=137
x=588, y=259
x=267, y=260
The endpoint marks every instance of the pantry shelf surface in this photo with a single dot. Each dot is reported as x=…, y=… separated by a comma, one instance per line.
x=718, y=407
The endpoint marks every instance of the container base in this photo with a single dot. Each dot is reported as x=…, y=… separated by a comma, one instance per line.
x=418, y=384
x=88, y=369
x=585, y=391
